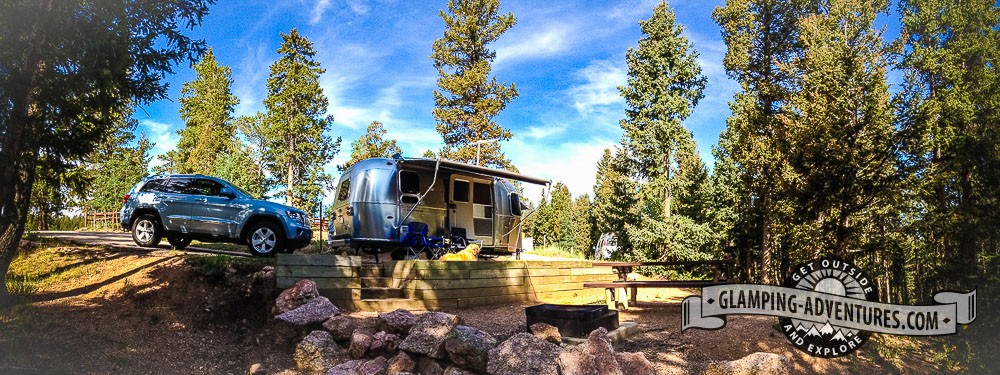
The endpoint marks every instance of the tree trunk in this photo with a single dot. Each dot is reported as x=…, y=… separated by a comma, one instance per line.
x=769, y=258
x=17, y=174
x=666, y=188
x=290, y=179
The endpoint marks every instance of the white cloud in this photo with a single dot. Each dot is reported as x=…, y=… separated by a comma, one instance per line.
x=318, y=10
x=552, y=40
x=250, y=80
x=599, y=92
x=572, y=163
x=358, y=6
x=162, y=135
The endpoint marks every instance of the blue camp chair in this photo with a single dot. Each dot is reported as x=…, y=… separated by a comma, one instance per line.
x=417, y=241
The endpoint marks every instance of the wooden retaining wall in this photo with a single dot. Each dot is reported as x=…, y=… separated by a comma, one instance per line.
x=431, y=285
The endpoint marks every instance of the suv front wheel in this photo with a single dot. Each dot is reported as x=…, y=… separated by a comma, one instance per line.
x=265, y=239
x=146, y=231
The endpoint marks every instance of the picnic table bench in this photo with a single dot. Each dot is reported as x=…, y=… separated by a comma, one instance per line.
x=624, y=291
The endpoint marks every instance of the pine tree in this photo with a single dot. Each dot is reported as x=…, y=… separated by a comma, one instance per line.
x=583, y=226
x=371, y=145
x=761, y=36
x=948, y=116
x=296, y=125
x=614, y=197
x=837, y=130
x=207, y=105
x=68, y=68
x=469, y=99
x=560, y=217
x=664, y=85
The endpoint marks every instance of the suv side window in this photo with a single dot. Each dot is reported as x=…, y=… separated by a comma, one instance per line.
x=201, y=186
x=176, y=185
x=154, y=186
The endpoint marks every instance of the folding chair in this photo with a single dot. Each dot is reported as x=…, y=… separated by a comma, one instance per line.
x=416, y=241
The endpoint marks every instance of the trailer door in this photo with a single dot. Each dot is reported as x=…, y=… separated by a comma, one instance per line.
x=471, y=206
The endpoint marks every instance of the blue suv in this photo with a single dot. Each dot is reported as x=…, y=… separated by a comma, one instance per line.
x=184, y=207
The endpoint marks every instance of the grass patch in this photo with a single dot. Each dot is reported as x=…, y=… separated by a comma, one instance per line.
x=21, y=285
x=556, y=251
x=32, y=271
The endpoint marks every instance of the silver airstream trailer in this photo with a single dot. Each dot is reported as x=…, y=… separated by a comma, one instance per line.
x=377, y=200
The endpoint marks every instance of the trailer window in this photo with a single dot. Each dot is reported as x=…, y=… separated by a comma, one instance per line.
x=342, y=190
x=482, y=194
x=515, y=204
x=461, y=193
x=409, y=182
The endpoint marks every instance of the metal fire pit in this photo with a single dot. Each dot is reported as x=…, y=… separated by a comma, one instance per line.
x=573, y=320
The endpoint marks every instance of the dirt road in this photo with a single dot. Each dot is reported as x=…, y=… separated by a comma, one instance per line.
x=121, y=240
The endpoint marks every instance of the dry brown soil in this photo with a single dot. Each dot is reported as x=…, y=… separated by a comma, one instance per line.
x=139, y=312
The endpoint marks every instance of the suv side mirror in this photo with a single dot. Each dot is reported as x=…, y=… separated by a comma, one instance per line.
x=227, y=192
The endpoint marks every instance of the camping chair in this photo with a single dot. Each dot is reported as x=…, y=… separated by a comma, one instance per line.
x=416, y=241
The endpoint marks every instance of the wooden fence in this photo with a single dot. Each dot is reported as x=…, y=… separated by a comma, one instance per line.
x=101, y=219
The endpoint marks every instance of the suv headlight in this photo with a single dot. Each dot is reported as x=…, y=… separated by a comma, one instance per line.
x=298, y=216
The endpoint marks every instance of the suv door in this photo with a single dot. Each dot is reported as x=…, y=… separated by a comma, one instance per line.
x=174, y=204
x=212, y=213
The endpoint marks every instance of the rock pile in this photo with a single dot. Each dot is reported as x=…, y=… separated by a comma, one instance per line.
x=435, y=343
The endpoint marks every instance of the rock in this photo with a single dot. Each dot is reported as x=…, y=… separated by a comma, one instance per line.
x=256, y=369
x=546, y=332
x=576, y=361
x=455, y=370
x=469, y=347
x=599, y=347
x=398, y=322
x=524, y=354
x=318, y=352
x=346, y=368
x=429, y=366
x=300, y=293
x=401, y=363
x=375, y=366
x=753, y=364
x=635, y=364
x=428, y=335
x=384, y=343
x=317, y=310
x=360, y=341
x=340, y=327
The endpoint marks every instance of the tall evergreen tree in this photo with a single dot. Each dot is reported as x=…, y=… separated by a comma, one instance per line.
x=583, y=225
x=837, y=131
x=67, y=68
x=614, y=197
x=761, y=36
x=371, y=145
x=469, y=99
x=114, y=168
x=948, y=116
x=664, y=85
x=296, y=126
x=207, y=105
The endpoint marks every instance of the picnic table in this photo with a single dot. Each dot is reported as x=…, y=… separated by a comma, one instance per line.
x=623, y=291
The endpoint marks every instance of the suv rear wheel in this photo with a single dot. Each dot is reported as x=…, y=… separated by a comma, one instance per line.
x=146, y=231
x=179, y=243
x=265, y=239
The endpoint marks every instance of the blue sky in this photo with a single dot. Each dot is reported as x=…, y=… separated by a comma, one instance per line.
x=566, y=58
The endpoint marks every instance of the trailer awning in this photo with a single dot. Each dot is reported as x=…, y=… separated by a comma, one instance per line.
x=473, y=169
